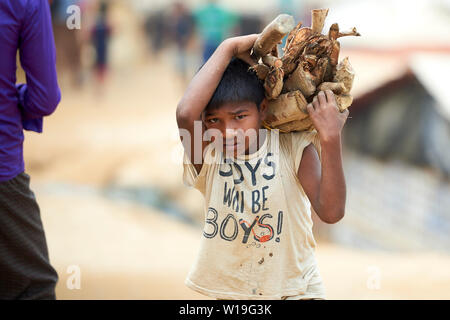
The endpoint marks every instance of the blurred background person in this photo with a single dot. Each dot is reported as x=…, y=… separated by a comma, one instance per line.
x=155, y=30
x=182, y=34
x=101, y=33
x=214, y=24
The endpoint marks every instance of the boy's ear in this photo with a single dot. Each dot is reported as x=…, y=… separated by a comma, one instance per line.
x=263, y=108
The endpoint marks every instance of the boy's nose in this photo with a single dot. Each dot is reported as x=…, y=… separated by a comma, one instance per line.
x=230, y=134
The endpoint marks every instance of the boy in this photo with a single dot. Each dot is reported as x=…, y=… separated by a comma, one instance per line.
x=258, y=187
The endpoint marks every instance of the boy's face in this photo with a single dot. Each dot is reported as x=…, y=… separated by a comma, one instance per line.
x=239, y=124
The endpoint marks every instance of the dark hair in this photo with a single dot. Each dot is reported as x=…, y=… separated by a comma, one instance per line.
x=238, y=84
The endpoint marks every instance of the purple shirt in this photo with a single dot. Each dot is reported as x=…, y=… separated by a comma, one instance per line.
x=25, y=25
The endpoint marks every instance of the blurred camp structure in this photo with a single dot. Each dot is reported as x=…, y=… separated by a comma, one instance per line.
x=107, y=170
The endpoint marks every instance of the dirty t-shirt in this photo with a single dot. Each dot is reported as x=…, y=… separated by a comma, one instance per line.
x=257, y=240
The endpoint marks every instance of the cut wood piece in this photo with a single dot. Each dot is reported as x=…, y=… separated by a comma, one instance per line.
x=318, y=19
x=273, y=83
x=272, y=34
x=294, y=49
x=287, y=107
x=345, y=74
x=317, y=45
x=272, y=61
x=275, y=52
x=296, y=125
x=289, y=64
x=352, y=32
x=301, y=80
x=336, y=87
x=335, y=47
x=329, y=72
x=320, y=70
x=309, y=61
x=302, y=36
x=261, y=70
x=344, y=101
x=291, y=36
x=298, y=39
x=333, y=33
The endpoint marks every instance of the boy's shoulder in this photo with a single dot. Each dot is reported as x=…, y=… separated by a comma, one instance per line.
x=298, y=137
x=293, y=143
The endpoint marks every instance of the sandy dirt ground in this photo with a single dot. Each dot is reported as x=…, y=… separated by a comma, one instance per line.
x=125, y=135
x=125, y=251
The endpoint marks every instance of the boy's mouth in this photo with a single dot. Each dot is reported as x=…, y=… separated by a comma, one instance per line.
x=231, y=145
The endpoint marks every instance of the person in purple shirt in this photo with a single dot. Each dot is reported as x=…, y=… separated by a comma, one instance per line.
x=25, y=25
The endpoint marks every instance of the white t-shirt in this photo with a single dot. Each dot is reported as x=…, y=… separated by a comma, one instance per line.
x=257, y=240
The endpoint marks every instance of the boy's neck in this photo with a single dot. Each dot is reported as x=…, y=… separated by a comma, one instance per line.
x=261, y=136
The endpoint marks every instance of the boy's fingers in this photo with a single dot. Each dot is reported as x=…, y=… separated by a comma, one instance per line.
x=310, y=108
x=250, y=40
x=322, y=98
x=254, y=36
x=330, y=96
x=315, y=103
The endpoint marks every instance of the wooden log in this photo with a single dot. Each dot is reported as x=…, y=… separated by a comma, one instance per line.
x=344, y=101
x=272, y=61
x=295, y=49
x=336, y=87
x=333, y=33
x=329, y=72
x=352, y=32
x=296, y=125
x=287, y=107
x=321, y=70
x=345, y=74
x=317, y=45
x=272, y=34
x=301, y=80
x=289, y=64
x=273, y=84
x=261, y=70
x=298, y=39
x=291, y=36
x=333, y=53
x=318, y=20
x=275, y=52
x=309, y=61
x=302, y=36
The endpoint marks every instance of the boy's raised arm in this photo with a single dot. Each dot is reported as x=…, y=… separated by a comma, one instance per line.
x=324, y=182
x=202, y=87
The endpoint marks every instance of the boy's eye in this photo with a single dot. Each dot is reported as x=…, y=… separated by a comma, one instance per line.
x=212, y=120
x=241, y=116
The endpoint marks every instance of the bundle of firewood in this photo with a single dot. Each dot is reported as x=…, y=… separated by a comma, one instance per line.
x=309, y=64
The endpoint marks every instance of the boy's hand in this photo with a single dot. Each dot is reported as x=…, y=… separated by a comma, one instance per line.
x=326, y=117
x=241, y=47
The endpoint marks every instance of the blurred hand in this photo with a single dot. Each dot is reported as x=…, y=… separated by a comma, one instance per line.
x=326, y=117
x=241, y=47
